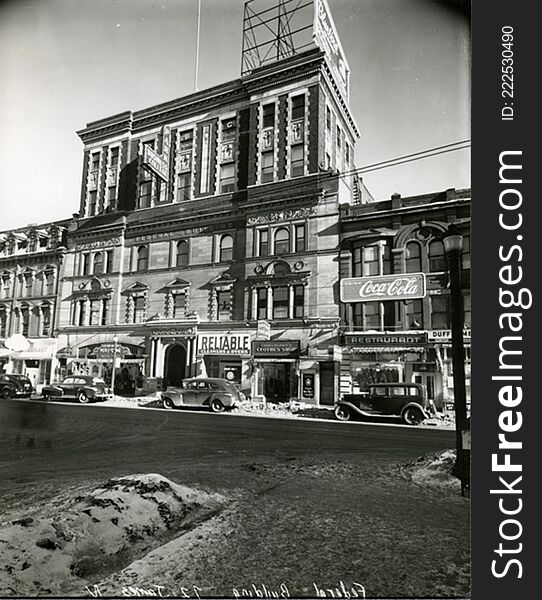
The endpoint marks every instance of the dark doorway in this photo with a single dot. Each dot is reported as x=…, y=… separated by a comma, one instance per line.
x=175, y=365
x=327, y=383
x=276, y=383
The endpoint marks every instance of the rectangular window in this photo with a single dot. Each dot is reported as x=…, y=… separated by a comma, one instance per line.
x=268, y=167
x=139, y=309
x=95, y=312
x=414, y=314
x=268, y=116
x=112, y=196
x=339, y=137
x=370, y=260
x=298, y=107
x=299, y=301
x=357, y=263
x=25, y=314
x=280, y=303
x=386, y=260
x=357, y=315
x=105, y=311
x=328, y=118
x=389, y=314
x=179, y=305
x=108, y=265
x=223, y=299
x=466, y=252
x=227, y=178
x=300, y=238
x=466, y=310
x=95, y=162
x=346, y=154
x=45, y=321
x=184, y=186
x=263, y=242
x=440, y=313
x=297, y=160
x=372, y=315
x=261, y=312
x=82, y=312
x=92, y=197
x=145, y=191
x=28, y=286
x=3, y=324
x=114, y=157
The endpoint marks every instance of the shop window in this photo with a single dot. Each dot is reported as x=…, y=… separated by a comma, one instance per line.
x=139, y=309
x=263, y=242
x=297, y=160
x=371, y=315
x=261, y=304
x=227, y=178
x=98, y=265
x=280, y=303
x=299, y=301
x=466, y=310
x=414, y=314
x=299, y=238
x=182, y=254
x=94, y=317
x=268, y=167
x=179, y=305
x=105, y=311
x=223, y=300
x=437, y=258
x=440, y=312
x=282, y=241
x=142, y=258
x=413, y=258
x=466, y=252
x=226, y=248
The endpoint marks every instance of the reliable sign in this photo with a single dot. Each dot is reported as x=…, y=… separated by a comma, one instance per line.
x=407, y=286
x=224, y=343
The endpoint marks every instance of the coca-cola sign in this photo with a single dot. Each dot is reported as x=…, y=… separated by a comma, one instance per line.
x=406, y=286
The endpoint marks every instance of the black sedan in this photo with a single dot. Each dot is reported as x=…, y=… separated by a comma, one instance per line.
x=15, y=386
x=83, y=388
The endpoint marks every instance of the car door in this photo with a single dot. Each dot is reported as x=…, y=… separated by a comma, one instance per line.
x=204, y=392
x=189, y=393
x=375, y=401
x=67, y=386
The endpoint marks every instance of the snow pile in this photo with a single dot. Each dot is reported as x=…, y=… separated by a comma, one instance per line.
x=97, y=534
x=435, y=470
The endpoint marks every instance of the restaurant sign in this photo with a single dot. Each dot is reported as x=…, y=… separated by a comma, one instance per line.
x=384, y=339
x=224, y=343
x=282, y=348
x=408, y=286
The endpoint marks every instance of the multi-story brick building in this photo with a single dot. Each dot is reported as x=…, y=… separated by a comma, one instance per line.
x=30, y=263
x=207, y=236
x=408, y=340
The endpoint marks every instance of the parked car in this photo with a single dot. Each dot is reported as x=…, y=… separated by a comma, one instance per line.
x=83, y=388
x=213, y=393
x=15, y=386
x=405, y=400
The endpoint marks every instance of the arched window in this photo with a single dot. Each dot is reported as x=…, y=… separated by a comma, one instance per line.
x=437, y=258
x=282, y=241
x=98, y=264
x=413, y=259
x=226, y=248
x=142, y=258
x=182, y=253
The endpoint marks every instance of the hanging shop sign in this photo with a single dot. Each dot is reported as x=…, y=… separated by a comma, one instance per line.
x=155, y=163
x=307, y=388
x=445, y=335
x=383, y=287
x=280, y=348
x=353, y=340
x=223, y=343
x=263, y=330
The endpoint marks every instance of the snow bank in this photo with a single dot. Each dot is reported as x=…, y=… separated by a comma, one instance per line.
x=97, y=534
x=435, y=470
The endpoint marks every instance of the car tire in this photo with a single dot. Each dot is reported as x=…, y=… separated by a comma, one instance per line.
x=82, y=398
x=412, y=415
x=217, y=406
x=7, y=392
x=342, y=413
x=168, y=403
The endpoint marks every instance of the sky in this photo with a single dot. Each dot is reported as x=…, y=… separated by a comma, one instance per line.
x=65, y=63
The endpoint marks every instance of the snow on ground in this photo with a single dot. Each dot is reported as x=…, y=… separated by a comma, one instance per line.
x=97, y=534
x=434, y=471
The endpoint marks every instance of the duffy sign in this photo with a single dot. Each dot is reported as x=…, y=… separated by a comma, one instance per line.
x=407, y=286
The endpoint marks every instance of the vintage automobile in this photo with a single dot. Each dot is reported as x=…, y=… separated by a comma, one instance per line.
x=83, y=388
x=15, y=386
x=407, y=401
x=212, y=393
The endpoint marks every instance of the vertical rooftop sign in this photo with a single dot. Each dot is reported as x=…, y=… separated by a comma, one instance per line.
x=277, y=29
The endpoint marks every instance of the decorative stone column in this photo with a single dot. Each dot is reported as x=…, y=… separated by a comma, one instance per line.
x=269, y=302
x=290, y=300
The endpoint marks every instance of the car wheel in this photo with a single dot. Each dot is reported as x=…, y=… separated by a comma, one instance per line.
x=217, y=406
x=82, y=398
x=342, y=413
x=7, y=392
x=168, y=403
x=413, y=416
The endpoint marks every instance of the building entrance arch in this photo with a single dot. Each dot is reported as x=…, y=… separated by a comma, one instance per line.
x=175, y=364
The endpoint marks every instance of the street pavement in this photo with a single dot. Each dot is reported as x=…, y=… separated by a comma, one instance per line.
x=312, y=502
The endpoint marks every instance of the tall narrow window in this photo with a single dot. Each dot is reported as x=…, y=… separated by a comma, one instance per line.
x=300, y=238
x=299, y=301
x=282, y=241
x=414, y=314
x=268, y=167
x=25, y=316
x=226, y=248
x=95, y=305
x=142, y=258
x=108, y=261
x=261, y=304
x=49, y=283
x=145, y=191
x=179, y=305
x=263, y=242
x=268, y=116
x=370, y=260
x=223, y=299
x=466, y=252
x=280, y=302
x=184, y=166
x=413, y=259
x=328, y=118
x=139, y=309
x=437, y=258
x=3, y=324
x=182, y=254
x=466, y=310
x=114, y=157
x=28, y=285
x=357, y=263
x=372, y=315
x=98, y=265
x=297, y=161
x=95, y=162
x=92, y=197
x=105, y=311
x=386, y=260
x=82, y=312
x=85, y=264
x=440, y=313
x=227, y=178
x=298, y=107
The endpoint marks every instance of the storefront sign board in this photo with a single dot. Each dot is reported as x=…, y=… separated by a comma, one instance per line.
x=224, y=344
x=279, y=348
x=408, y=286
x=384, y=339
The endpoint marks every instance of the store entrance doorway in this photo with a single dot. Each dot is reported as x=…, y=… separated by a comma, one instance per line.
x=175, y=365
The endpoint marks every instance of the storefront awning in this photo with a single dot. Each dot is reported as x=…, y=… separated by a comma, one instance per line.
x=307, y=365
x=32, y=355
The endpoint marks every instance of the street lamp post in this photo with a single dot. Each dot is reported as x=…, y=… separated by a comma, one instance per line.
x=115, y=340
x=453, y=246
